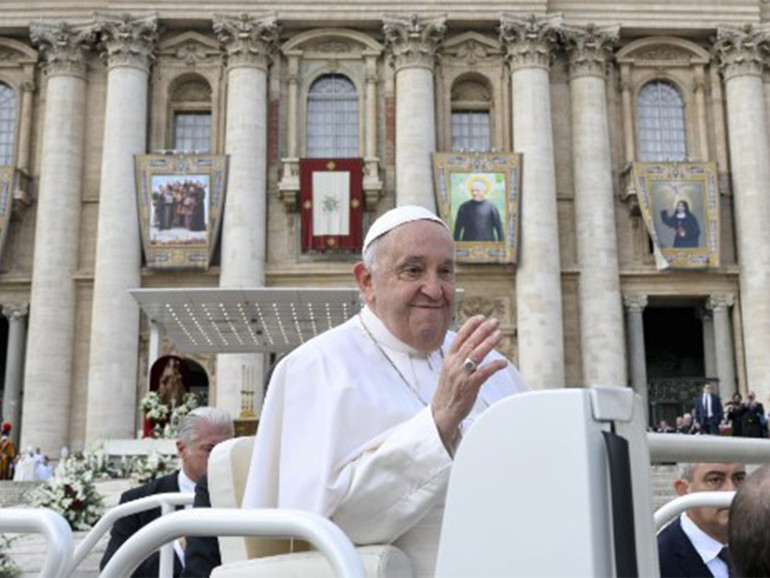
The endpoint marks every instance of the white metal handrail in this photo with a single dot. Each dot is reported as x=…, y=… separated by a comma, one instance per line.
x=166, y=502
x=672, y=509
x=54, y=529
x=707, y=448
x=320, y=532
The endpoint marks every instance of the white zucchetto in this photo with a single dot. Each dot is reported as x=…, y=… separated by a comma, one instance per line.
x=397, y=217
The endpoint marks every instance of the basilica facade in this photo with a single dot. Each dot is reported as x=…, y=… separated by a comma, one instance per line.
x=582, y=90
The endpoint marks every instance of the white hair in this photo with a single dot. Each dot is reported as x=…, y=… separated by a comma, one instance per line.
x=190, y=428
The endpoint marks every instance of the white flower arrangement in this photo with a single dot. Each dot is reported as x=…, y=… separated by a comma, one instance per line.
x=71, y=492
x=151, y=466
x=166, y=419
x=8, y=568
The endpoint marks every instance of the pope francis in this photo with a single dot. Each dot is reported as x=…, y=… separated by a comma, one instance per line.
x=360, y=424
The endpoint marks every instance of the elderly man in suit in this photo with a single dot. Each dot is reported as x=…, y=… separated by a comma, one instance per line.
x=695, y=544
x=708, y=410
x=202, y=429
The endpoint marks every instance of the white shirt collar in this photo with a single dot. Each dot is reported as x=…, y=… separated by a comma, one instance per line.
x=186, y=485
x=383, y=336
x=707, y=547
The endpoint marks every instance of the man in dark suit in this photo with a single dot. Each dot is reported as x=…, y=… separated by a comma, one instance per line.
x=708, y=410
x=202, y=429
x=694, y=544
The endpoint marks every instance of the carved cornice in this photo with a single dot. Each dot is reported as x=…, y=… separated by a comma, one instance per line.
x=720, y=301
x=64, y=46
x=127, y=40
x=413, y=41
x=589, y=48
x=634, y=302
x=528, y=41
x=15, y=311
x=741, y=51
x=248, y=41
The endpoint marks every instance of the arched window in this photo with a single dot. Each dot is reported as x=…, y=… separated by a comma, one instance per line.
x=7, y=124
x=191, y=114
x=471, y=116
x=660, y=123
x=332, y=118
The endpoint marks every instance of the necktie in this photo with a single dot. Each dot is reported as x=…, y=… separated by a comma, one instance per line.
x=724, y=555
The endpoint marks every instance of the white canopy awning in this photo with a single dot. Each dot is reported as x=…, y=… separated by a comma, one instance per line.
x=258, y=320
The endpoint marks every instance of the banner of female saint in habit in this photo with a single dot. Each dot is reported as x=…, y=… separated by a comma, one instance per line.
x=7, y=184
x=679, y=203
x=180, y=200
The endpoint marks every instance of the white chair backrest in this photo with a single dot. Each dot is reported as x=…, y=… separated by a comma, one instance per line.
x=228, y=468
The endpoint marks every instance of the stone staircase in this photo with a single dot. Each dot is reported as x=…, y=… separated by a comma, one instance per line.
x=662, y=482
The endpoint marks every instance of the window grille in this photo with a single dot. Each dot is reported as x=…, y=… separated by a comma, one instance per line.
x=332, y=118
x=192, y=132
x=661, y=123
x=7, y=124
x=470, y=130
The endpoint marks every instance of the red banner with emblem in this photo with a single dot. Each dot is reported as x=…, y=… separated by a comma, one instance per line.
x=331, y=201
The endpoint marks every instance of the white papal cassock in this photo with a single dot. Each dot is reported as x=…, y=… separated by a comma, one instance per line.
x=347, y=432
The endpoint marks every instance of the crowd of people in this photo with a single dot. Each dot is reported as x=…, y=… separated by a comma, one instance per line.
x=180, y=204
x=30, y=465
x=736, y=417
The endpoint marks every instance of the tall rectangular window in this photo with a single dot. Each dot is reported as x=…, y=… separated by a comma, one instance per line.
x=7, y=124
x=192, y=132
x=470, y=130
x=332, y=118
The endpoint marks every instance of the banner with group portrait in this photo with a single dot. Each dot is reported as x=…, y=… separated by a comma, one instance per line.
x=180, y=199
x=679, y=203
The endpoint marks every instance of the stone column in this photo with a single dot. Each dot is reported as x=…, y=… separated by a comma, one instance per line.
x=723, y=343
x=699, y=88
x=25, y=116
x=48, y=368
x=627, y=110
x=14, y=366
x=601, y=311
x=112, y=373
x=741, y=55
x=250, y=43
x=412, y=43
x=635, y=304
x=709, y=354
x=538, y=276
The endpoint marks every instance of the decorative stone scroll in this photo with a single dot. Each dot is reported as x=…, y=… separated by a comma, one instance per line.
x=248, y=40
x=589, y=47
x=413, y=41
x=127, y=40
x=741, y=50
x=528, y=41
x=63, y=45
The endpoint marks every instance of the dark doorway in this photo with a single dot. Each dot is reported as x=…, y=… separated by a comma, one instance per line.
x=673, y=341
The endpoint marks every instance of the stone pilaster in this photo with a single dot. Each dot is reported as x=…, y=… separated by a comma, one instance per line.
x=528, y=44
x=412, y=43
x=720, y=305
x=634, y=305
x=741, y=54
x=14, y=366
x=48, y=370
x=601, y=312
x=249, y=43
x=127, y=44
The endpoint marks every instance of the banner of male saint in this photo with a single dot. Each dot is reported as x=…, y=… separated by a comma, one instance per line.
x=180, y=200
x=7, y=182
x=679, y=203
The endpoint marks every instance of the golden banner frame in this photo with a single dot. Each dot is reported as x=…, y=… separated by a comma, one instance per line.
x=180, y=199
x=7, y=186
x=479, y=198
x=680, y=207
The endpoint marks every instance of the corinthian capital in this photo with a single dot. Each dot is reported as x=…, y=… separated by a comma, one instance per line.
x=528, y=41
x=15, y=311
x=413, y=41
x=127, y=40
x=634, y=302
x=589, y=48
x=741, y=50
x=249, y=41
x=64, y=46
x=720, y=301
